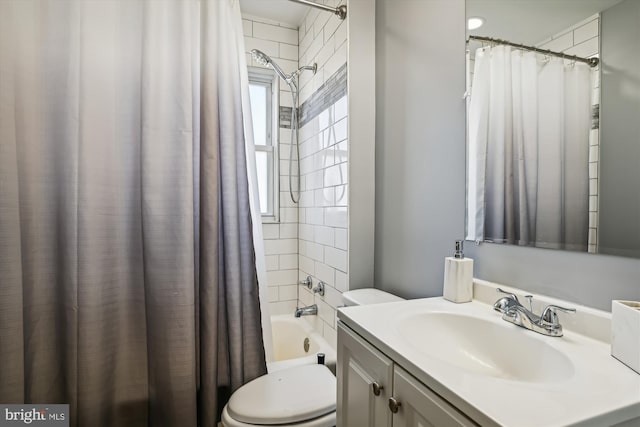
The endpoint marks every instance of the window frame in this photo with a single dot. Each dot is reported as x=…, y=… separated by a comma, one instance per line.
x=268, y=78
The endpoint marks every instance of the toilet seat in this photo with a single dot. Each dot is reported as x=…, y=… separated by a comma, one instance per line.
x=303, y=395
x=328, y=420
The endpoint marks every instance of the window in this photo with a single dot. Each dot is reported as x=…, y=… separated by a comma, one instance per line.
x=263, y=92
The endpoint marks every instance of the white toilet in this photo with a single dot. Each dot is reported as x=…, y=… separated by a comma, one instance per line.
x=302, y=396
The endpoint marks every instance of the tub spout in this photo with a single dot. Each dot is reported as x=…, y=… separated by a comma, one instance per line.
x=306, y=311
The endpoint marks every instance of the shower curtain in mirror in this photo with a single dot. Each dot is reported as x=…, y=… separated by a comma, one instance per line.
x=128, y=283
x=528, y=150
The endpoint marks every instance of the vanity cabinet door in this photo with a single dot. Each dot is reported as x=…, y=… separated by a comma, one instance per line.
x=364, y=382
x=418, y=406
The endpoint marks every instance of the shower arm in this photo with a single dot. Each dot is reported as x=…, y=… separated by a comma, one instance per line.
x=340, y=11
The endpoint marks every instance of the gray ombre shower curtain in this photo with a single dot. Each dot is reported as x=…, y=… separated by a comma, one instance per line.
x=128, y=284
x=528, y=150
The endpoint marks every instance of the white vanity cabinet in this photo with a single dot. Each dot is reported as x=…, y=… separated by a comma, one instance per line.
x=365, y=382
x=444, y=364
x=373, y=391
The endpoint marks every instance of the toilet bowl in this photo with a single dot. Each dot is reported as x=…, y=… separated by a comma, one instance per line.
x=303, y=396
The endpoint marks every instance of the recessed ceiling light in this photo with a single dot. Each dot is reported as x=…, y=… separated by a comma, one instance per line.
x=475, y=22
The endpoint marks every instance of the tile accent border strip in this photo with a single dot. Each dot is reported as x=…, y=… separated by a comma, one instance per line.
x=326, y=95
x=595, y=116
x=285, y=117
x=331, y=91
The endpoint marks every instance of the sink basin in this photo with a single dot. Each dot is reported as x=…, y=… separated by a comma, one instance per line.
x=484, y=347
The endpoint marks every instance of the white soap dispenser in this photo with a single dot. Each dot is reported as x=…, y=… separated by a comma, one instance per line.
x=458, y=276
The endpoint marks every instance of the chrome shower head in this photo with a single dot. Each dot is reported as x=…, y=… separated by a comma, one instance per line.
x=264, y=60
x=260, y=57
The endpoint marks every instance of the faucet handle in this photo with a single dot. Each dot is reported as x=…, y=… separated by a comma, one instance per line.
x=319, y=289
x=308, y=282
x=550, y=317
x=508, y=293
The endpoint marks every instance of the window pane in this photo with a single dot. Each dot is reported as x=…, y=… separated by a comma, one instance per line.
x=263, y=180
x=264, y=116
x=258, y=94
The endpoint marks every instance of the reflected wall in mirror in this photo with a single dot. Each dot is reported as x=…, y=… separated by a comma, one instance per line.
x=553, y=142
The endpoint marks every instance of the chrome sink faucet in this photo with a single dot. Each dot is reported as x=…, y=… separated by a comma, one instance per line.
x=514, y=312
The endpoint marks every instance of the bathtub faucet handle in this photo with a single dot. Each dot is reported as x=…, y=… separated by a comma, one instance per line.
x=307, y=282
x=319, y=289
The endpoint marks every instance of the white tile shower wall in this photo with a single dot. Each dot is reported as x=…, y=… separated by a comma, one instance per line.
x=323, y=226
x=583, y=39
x=280, y=41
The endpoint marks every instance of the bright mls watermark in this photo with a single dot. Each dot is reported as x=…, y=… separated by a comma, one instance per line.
x=34, y=415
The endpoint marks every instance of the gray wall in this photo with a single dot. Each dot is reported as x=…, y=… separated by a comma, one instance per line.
x=591, y=280
x=420, y=146
x=619, y=228
x=420, y=190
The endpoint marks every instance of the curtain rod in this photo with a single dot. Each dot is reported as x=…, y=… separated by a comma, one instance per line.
x=340, y=11
x=593, y=62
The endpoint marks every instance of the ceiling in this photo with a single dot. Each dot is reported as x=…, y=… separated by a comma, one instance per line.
x=283, y=11
x=531, y=21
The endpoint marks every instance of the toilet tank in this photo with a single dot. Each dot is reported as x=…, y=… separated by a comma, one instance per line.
x=368, y=296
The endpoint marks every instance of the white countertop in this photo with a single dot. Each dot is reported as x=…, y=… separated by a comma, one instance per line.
x=600, y=392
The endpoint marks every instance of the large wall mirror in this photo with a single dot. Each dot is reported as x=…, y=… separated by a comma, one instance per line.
x=553, y=139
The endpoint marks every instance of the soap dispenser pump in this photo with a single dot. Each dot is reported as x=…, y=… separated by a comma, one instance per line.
x=458, y=276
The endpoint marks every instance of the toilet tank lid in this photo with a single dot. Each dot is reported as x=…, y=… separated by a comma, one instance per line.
x=288, y=396
x=368, y=296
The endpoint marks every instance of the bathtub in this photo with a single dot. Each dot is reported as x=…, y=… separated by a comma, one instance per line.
x=295, y=343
